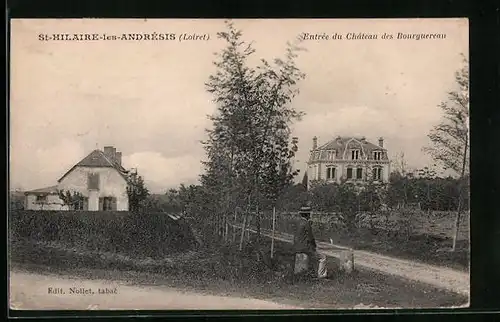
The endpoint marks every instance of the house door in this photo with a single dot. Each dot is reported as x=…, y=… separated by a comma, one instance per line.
x=107, y=203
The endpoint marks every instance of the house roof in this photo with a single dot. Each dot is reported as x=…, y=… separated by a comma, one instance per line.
x=98, y=159
x=339, y=144
x=43, y=191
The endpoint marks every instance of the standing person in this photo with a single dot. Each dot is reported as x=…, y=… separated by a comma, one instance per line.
x=305, y=243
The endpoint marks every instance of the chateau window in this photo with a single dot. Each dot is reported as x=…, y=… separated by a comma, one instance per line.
x=349, y=173
x=355, y=154
x=377, y=173
x=377, y=155
x=330, y=173
x=359, y=173
x=93, y=181
x=331, y=155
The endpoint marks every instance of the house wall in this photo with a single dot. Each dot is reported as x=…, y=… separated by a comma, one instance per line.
x=318, y=170
x=111, y=184
x=53, y=202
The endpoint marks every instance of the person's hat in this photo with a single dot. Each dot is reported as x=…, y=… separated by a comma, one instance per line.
x=305, y=210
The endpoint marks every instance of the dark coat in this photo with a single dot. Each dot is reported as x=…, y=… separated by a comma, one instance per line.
x=303, y=239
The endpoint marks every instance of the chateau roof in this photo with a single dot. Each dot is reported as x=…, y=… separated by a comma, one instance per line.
x=98, y=159
x=340, y=144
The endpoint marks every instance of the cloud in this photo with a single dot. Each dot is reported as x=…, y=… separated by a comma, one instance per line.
x=51, y=162
x=149, y=101
x=160, y=172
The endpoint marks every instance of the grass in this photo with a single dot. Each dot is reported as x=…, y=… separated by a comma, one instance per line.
x=226, y=271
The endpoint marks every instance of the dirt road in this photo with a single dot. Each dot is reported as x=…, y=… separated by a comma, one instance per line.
x=441, y=277
x=30, y=291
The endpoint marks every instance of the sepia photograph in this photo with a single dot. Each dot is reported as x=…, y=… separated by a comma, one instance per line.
x=211, y=164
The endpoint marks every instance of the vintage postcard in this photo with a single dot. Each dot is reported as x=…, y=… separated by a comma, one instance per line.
x=180, y=164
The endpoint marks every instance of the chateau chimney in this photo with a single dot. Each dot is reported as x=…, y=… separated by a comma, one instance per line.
x=118, y=157
x=363, y=139
x=381, y=142
x=315, y=143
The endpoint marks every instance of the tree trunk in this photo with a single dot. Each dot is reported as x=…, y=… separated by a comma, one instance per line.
x=457, y=221
x=243, y=228
x=226, y=232
x=257, y=214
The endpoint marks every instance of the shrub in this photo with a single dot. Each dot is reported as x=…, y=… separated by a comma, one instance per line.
x=146, y=234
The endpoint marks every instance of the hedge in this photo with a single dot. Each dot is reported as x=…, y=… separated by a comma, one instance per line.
x=143, y=235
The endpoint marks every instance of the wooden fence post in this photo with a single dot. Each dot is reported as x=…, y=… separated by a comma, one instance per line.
x=272, y=236
x=247, y=229
x=234, y=226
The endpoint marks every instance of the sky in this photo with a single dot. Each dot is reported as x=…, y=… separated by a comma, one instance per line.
x=148, y=98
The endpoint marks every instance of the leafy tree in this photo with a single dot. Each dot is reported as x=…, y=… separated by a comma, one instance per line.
x=16, y=200
x=450, y=138
x=292, y=198
x=137, y=192
x=305, y=179
x=72, y=199
x=249, y=151
x=425, y=178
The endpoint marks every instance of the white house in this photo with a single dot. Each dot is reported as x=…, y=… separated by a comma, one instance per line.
x=348, y=158
x=99, y=177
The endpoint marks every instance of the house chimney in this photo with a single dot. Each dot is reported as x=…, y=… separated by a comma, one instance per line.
x=118, y=157
x=363, y=139
x=315, y=143
x=381, y=142
x=110, y=152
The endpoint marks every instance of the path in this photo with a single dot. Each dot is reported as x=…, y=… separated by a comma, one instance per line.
x=31, y=292
x=442, y=277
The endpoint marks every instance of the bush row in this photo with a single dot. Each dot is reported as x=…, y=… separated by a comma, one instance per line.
x=144, y=235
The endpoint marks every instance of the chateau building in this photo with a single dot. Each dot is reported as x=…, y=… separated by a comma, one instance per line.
x=348, y=158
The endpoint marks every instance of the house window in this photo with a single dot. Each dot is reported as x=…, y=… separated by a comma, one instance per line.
x=331, y=155
x=377, y=155
x=355, y=154
x=330, y=173
x=107, y=203
x=349, y=173
x=41, y=198
x=377, y=173
x=93, y=181
x=82, y=204
x=359, y=173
